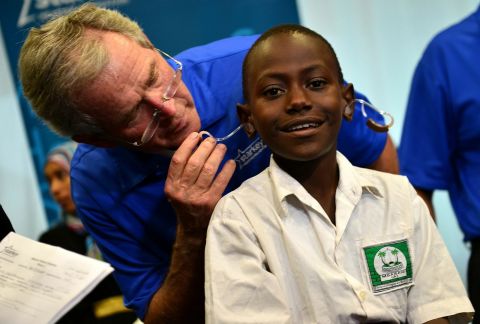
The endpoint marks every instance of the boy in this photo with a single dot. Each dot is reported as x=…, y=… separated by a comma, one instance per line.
x=313, y=239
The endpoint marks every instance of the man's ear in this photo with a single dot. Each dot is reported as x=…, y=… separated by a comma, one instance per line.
x=93, y=140
x=244, y=115
x=348, y=95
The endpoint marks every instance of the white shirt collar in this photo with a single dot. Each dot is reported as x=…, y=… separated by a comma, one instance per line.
x=352, y=184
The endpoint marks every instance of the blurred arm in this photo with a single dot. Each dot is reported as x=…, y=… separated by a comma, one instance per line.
x=427, y=195
x=388, y=160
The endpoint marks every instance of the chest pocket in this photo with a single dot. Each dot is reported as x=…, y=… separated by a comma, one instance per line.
x=387, y=263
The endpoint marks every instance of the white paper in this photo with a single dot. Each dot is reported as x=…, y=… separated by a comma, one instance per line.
x=39, y=283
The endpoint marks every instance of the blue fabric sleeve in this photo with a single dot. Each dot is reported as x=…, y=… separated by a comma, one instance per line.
x=140, y=265
x=139, y=279
x=426, y=142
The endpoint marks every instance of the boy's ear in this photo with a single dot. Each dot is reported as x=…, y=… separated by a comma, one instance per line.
x=348, y=94
x=93, y=140
x=244, y=115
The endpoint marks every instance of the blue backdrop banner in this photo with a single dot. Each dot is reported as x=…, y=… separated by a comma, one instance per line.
x=171, y=25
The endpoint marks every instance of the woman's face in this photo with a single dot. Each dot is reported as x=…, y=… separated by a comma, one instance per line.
x=59, y=182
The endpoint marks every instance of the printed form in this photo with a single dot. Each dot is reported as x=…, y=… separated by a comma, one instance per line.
x=39, y=283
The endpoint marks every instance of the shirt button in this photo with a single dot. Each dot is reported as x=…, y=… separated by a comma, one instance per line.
x=362, y=295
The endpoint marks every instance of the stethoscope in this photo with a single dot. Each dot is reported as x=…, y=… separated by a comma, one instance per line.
x=371, y=123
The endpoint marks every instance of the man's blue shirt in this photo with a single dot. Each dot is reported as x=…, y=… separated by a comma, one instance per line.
x=440, y=140
x=119, y=193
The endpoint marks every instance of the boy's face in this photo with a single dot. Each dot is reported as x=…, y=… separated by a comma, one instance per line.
x=296, y=100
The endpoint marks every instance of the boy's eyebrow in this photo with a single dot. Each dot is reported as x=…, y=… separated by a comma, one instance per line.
x=281, y=74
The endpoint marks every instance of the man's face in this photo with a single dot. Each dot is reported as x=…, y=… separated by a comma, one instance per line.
x=295, y=99
x=130, y=88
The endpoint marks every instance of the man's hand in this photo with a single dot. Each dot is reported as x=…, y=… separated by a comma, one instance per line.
x=193, y=185
x=193, y=188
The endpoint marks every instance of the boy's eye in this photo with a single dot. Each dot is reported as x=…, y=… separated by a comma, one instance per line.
x=272, y=92
x=317, y=83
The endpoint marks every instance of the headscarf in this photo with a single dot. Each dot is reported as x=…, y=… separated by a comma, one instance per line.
x=62, y=154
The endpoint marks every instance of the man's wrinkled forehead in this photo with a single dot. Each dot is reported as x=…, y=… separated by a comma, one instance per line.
x=117, y=71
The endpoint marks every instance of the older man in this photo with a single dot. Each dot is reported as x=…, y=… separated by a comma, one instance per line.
x=145, y=184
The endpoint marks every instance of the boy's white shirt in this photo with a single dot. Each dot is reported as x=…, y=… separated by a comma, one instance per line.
x=273, y=255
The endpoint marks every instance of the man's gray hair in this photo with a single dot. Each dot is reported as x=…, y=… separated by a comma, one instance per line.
x=58, y=59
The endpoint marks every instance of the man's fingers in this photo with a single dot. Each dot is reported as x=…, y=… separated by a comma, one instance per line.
x=197, y=161
x=181, y=156
x=223, y=178
x=210, y=168
x=193, y=185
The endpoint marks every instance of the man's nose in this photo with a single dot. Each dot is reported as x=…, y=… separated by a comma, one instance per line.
x=166, y=107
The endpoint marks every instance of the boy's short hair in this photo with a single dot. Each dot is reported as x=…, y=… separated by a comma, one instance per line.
x=285, y=29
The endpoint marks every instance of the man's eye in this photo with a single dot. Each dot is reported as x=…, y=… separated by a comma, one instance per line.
x=132, y=117
x=272, y=92
x=317, y=84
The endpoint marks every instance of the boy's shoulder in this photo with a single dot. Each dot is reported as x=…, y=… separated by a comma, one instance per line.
x=254, y=197
x=380, y=175
x=365, y=177
x=256, y=185
x=384, y=182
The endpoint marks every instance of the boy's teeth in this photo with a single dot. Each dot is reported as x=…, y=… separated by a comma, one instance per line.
x=303, y=126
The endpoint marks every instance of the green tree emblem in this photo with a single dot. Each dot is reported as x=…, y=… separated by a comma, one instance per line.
x=382, y=256
x=395, y=253
x=389, y=258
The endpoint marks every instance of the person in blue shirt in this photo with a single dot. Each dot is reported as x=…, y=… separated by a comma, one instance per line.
x=439, y=147
x=145, y=183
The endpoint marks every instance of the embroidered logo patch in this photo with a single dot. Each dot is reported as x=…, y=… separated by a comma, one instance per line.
x=246, y=156
x=389, y=266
